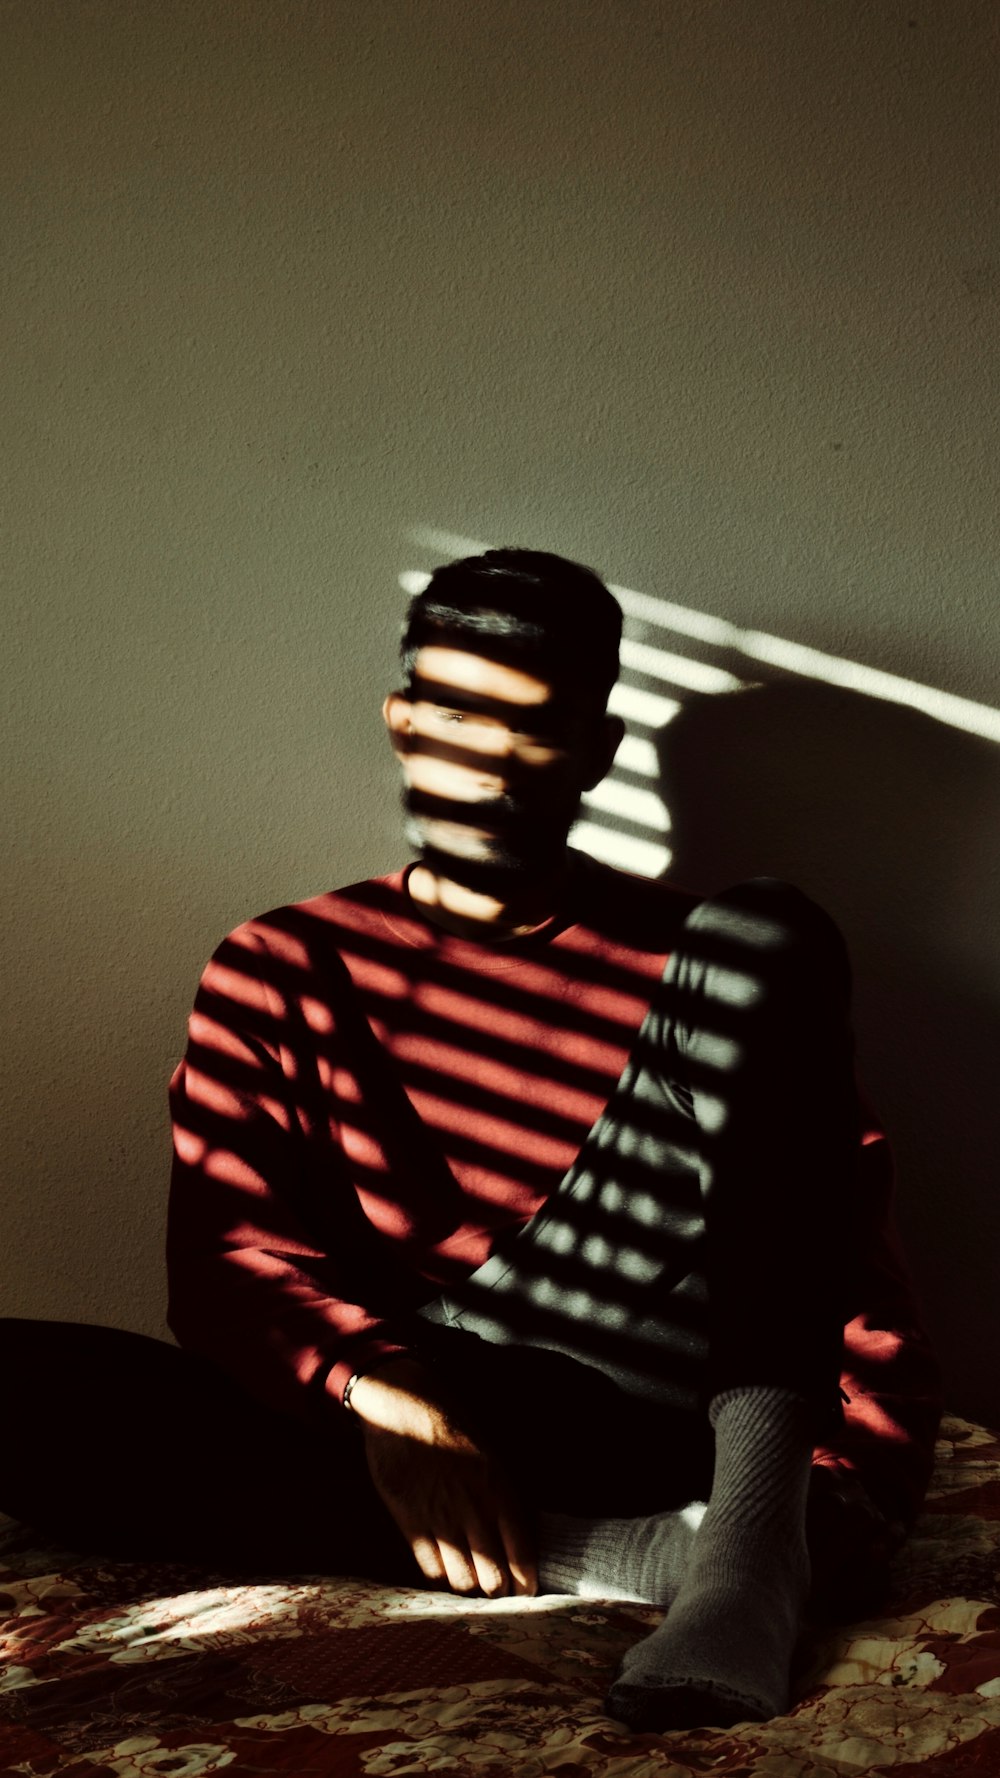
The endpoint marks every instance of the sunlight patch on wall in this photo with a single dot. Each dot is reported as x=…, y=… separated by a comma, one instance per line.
x=676, y=669
x=626, y=851
x=757, y=645
x=633, y=704
x=634, y=801
x=812, y=663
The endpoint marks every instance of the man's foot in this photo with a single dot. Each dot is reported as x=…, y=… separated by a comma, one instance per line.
x=640, y=1559
x=723, y=1653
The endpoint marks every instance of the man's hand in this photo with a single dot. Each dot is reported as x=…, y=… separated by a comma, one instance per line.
x=448, y=1497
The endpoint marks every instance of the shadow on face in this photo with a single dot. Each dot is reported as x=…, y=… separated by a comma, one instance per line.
x=494, y=761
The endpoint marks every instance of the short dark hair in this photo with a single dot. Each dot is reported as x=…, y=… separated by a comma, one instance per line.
x=534, y=609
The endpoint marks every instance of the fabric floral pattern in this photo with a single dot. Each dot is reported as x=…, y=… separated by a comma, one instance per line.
x=168, y=1673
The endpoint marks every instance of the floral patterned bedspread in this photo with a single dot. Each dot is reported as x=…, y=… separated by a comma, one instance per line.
x=167, y=1673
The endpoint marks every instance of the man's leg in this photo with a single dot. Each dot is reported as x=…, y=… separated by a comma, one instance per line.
x=758, y=1019
x=697, y=1253
x=130, y=1447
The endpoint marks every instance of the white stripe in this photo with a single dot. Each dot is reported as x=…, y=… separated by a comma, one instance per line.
x=637, y=754
x=676, y=669
x=621, y=849
x=646, y=707
x=754, y=645
x=448, y=543
x=629, y=801
x=812, y=663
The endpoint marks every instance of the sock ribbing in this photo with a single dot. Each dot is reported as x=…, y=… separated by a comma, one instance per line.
x=640, y=1559
x=724, y=1651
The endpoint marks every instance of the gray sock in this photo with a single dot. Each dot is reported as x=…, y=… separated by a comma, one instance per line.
x=723, y=1652
x=640, y=1559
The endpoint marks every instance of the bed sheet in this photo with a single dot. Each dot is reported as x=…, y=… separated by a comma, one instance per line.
x=166, y=1672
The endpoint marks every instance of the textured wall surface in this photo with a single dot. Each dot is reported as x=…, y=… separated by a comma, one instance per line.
x=706, y=294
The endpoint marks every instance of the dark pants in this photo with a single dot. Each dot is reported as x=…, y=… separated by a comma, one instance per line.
x=699, y=1242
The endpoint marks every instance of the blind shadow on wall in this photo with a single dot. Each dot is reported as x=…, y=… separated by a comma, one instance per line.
x=889, y=818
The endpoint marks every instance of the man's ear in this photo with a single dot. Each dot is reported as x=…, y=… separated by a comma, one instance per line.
x=606, y=744
x=397, y=714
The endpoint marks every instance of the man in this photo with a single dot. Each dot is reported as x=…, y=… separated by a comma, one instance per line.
x=528, y=1208
x=510, y=1164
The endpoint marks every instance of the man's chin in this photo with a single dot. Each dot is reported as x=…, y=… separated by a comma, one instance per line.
x=483, y=864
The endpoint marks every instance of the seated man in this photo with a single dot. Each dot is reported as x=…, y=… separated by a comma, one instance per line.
x=530, y=1210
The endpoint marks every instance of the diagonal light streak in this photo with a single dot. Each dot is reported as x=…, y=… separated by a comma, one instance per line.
x=812, y=663
x=754, y=645
x=646, y=708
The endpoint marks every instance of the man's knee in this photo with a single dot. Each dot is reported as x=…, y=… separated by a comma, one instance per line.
x=763, y=935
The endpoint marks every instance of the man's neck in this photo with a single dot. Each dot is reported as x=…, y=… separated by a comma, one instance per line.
x=487, y=919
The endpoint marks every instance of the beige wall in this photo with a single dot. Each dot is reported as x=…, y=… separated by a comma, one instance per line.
x=705, y=293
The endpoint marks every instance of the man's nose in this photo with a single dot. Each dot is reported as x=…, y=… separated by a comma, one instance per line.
x=495, y=759
x=487, y=758
x=494, y=778
x=508, y=784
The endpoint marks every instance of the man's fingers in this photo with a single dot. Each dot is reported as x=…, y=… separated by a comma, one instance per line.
x=458, y=1567
x=485, y=1542
x=440, y=1560
x=492, y=1577
x=454, y=1510
x=519, y=1549
x=463, y=1570
x=428, y=1558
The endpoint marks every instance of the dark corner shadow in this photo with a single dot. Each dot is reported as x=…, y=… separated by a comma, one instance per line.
x=890, y=819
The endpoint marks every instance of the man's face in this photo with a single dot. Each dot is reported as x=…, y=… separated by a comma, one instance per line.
x=494, y=763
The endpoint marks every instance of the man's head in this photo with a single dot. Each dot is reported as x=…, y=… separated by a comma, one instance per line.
x=551, y=616
x=508, y=659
